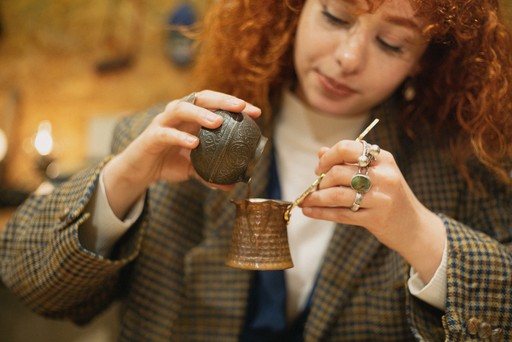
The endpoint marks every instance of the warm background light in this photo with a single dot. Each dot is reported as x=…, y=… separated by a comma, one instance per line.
x=53, y=55
x=43, y=141
x=3, y=145
x=58, y=106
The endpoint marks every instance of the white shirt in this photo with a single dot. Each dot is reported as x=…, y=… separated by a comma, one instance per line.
x=299, y=134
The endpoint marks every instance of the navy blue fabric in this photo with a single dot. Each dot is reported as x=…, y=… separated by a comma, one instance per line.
x=266, y=310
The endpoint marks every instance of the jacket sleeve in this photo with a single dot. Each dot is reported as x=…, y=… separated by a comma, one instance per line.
x=479, y=271
x=43, y=262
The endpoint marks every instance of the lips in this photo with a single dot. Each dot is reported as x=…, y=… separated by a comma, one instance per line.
x=335, y=88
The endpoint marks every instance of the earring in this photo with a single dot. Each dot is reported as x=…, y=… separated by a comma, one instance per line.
x=408, y=91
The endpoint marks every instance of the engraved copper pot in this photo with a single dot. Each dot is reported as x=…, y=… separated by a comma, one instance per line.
x=229, y=153
x=260, y=236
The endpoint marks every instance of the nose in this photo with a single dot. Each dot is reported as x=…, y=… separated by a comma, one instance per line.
x=351, y=52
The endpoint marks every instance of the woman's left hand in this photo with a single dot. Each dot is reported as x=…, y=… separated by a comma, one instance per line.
x=389, y=209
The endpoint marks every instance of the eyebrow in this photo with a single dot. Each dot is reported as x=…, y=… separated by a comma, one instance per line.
x=401, y=21
x=396, y=20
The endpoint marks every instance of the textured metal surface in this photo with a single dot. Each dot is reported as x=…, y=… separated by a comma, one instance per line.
x=260, y=237
x=226, y=155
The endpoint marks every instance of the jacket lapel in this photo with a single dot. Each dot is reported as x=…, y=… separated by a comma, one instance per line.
x=216, y=295
x=350, y=250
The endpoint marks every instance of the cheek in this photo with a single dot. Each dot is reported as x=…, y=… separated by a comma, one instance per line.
x=389, y=82
x=309, y=52
x=390, y=75
x=384, y=89
x=301, y=57
x=306, y=42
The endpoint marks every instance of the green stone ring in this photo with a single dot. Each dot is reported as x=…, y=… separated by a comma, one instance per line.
x=361, y=183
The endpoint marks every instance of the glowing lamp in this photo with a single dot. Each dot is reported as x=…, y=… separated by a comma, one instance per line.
x=3, y=145
x=43, y=141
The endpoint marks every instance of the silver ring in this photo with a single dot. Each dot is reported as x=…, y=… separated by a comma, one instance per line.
x=373, y=152
x=370, y=153
x=190, y=98
x=364, y=159
x=357, y=202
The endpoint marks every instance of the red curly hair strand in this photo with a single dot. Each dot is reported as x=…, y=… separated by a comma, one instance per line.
x=463, y=92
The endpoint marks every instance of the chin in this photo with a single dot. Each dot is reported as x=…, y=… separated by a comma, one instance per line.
x=329, y=107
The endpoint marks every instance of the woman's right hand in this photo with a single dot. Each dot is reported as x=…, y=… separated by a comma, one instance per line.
x=162, y=150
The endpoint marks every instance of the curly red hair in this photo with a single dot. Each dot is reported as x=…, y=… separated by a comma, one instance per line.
x=464, y=91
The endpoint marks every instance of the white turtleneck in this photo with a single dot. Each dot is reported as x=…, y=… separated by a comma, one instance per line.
x=299, y=134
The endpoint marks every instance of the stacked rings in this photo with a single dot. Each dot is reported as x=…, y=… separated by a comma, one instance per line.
x=361, y=182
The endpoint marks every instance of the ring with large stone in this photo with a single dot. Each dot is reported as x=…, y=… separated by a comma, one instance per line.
x=361, y=182
x=190, y=98
x=357, y=202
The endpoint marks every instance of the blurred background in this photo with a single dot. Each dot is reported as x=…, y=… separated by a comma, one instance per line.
x=69, y=69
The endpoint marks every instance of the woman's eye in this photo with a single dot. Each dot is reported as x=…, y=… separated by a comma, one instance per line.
x=389, y=47
x=331, y=19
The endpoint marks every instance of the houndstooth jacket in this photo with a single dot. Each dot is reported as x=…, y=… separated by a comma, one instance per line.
x=169, y=268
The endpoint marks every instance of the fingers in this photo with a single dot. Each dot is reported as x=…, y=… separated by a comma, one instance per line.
x=341, y=204
x=215, y=100
x=339, y=197
x=349, y=152
x=179, y=123
x=335, y=205
x=200, y=112
x=174, y=137
x=178, y=112
x=343, y=152
x=338, y=175
x=344, y=215
x=346, y=174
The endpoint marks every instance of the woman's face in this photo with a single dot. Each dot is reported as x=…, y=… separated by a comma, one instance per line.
x=348, y=60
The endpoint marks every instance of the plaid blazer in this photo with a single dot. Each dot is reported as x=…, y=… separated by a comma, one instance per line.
x=169, y=268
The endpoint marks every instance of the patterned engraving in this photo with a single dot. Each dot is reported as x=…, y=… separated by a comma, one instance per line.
x=224, y=153
x=260, y=237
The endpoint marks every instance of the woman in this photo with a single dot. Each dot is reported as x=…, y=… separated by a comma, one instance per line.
x=423, y=254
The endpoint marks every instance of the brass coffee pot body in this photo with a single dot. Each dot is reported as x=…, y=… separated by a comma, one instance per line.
x=260, y=236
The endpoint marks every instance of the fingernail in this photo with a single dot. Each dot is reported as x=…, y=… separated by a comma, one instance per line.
x=235, y=102
x=190, y=139
x=253, y=108
x=211, y=117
